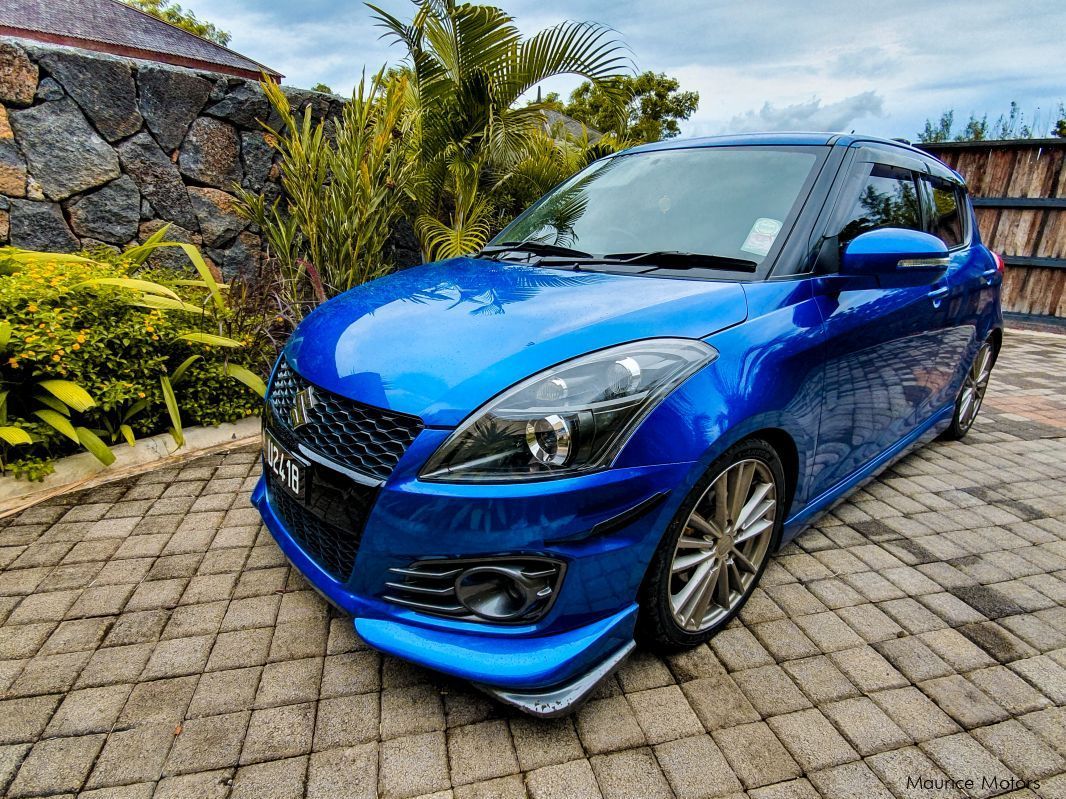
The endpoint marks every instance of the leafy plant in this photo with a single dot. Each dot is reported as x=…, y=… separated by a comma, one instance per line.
x=88, y=340
x=345, y=187
x=469, y=65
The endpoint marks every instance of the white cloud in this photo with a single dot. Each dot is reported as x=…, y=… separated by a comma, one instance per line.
x=809, y=115
x=763, y=60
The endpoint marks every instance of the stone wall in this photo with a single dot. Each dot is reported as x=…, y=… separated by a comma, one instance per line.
x=97, y=149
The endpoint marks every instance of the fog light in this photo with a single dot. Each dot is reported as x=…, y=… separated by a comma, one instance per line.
x=500, y=593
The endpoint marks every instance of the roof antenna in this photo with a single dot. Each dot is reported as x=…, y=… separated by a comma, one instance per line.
x=538, y=94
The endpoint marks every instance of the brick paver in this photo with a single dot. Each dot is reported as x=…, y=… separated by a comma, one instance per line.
x=154, y=642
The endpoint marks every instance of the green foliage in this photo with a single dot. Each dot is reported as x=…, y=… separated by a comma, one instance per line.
x=1012, y=125
x=1059, y=127
x=84, y=354
x=939, y=132
x=31, y=468
x=469, y=65
x=322, y=87
x=171, y=12
x=654, y=105
x=345, y=187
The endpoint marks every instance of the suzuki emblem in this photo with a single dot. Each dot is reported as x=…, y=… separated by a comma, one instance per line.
x=303, y=403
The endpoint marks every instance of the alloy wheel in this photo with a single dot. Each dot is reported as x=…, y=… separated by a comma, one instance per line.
x=974, y=387
x=723, y=544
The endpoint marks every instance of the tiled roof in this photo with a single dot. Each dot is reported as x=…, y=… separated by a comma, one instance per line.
x=570, y=125
x=114, y=27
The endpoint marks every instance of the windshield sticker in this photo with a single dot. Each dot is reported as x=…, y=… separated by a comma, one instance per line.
x=762, y=235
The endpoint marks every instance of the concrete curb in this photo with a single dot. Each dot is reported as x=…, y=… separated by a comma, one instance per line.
x=84, y=470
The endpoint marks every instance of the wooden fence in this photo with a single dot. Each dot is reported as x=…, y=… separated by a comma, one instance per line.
x=1019, y=194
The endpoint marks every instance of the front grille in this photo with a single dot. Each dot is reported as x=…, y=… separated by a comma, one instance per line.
x=369, y=440
x=328, y=523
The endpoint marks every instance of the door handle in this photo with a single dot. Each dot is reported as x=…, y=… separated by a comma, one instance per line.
x=938, y=295
x=988, y=275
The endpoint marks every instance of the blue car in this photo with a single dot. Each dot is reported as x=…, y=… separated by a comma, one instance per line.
x=512, y=467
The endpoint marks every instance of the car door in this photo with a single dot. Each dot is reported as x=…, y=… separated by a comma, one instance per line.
x=965, y=282
x=883, y=369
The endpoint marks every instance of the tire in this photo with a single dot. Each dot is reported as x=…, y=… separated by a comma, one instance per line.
x=972, y=392
x=676, y=615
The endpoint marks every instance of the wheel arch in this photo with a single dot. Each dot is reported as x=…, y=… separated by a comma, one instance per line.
x=785, y=447
x=996, y=337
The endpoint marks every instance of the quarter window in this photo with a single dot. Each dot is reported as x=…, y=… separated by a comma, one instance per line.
x=888, y=198
x=947, y=220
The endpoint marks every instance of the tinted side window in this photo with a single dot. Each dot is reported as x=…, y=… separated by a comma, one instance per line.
x=947, y=215
x=888, y=198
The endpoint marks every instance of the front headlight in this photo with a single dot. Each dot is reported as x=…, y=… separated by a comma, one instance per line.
x=569, y=419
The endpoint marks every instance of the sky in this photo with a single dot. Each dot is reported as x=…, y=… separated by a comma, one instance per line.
x=880, y=68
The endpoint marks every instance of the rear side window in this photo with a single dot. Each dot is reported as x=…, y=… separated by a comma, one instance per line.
x=947, y=222
x=888, y=198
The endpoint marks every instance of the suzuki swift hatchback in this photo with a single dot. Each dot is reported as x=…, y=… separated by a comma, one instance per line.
x=509, y=467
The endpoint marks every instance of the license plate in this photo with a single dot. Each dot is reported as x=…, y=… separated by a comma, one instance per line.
x=287, y=469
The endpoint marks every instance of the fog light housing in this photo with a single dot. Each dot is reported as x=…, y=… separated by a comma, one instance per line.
x=504, y=589
x=501, y=593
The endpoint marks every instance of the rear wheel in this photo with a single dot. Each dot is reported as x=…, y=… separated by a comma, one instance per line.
x=716, y=548
x=972, y=393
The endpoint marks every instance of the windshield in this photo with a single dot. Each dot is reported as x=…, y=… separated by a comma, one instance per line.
x=724, y=201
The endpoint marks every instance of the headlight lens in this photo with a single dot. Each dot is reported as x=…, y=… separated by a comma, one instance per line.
x=569, y=419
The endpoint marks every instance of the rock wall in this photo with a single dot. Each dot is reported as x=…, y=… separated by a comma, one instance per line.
x=96, y=149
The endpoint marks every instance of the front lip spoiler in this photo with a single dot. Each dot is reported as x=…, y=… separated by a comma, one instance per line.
x=562, y=699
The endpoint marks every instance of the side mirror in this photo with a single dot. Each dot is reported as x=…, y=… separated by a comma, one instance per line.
x=893, y=250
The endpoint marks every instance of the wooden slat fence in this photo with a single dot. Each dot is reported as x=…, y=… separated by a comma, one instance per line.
x=1019, y=192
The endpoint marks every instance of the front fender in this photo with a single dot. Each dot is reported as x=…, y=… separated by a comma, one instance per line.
x=768, y=376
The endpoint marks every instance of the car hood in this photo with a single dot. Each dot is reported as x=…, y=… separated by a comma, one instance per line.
x=437, y=341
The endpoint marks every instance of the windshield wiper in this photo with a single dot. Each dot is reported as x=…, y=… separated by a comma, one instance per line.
x=677, y=259
x=658, y=259
x=532, y=247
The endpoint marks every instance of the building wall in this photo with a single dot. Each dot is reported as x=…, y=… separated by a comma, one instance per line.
x=99, y=149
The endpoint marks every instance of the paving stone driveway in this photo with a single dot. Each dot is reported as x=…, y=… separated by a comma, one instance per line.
x=154, y=643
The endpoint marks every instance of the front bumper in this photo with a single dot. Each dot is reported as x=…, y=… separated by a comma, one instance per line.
x=543, y=667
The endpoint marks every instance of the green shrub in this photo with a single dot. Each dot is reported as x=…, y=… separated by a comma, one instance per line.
x=345, y=184
x=92, y=345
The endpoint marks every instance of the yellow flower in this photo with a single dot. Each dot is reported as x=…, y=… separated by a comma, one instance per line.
x=55, y=357
x=140, y=394
x=31, y=308
x=76, y=346
x=13, y=361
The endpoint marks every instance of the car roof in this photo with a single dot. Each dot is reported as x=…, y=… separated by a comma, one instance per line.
x=798, y=138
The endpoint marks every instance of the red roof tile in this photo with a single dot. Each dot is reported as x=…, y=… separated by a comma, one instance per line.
x=114, y=27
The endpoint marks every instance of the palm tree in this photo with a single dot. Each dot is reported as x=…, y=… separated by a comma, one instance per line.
x=469, y=65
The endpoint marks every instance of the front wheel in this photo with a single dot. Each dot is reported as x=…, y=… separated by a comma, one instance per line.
x=972, y=393
x=716, y=548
